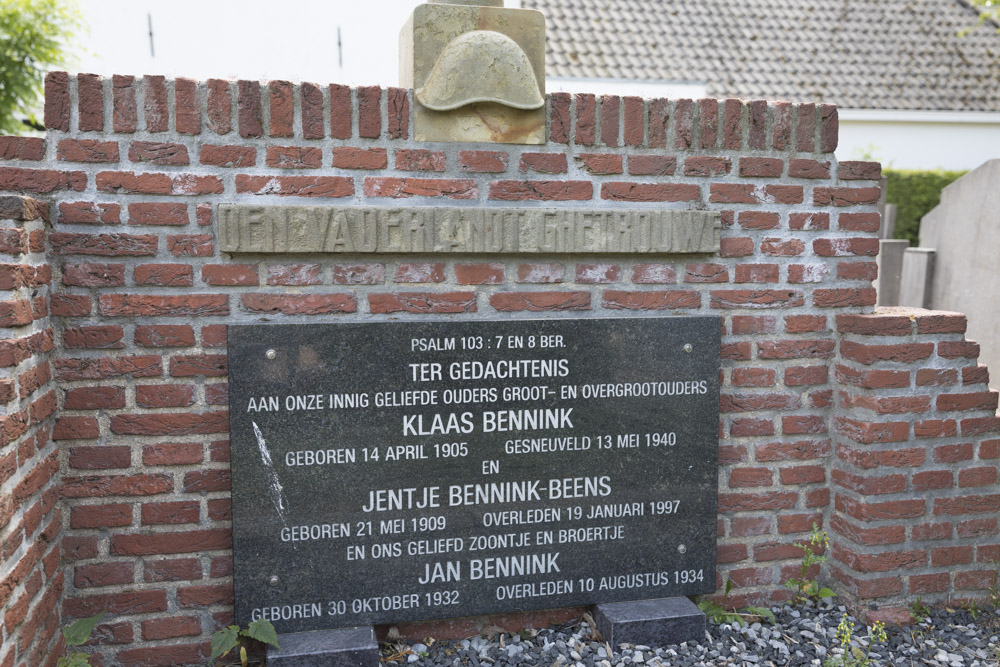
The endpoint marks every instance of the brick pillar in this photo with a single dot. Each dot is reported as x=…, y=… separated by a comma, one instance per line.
x=916, y=490
x=31, y=581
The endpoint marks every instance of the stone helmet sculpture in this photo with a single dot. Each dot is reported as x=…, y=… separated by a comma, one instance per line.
x=481, y=66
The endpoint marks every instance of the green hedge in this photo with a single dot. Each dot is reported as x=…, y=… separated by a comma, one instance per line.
x=915, y=193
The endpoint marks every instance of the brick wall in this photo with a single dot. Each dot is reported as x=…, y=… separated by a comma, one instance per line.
x=31, y=581
x=132, y=171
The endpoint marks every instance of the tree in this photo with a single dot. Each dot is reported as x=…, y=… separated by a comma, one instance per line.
x=33, y=38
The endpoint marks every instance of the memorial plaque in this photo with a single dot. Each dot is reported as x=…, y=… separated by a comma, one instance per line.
x=396, y=471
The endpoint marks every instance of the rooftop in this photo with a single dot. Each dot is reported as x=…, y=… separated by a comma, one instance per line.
x=859, y=54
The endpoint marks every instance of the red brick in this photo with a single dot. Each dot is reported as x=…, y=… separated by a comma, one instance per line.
x=610, y=117
x=295, y=186
x=866, y=171
x=228, y=156
x=172, y=454
x=94, y=275
x=758, y=401
x=76, y=428
x=57, y=101
x=158, y=153
x=347, y=157
x=294, y=274
x=809, y=221
x=643, y=300
x=753, y=377
x=540, y=273
x=983, y=400
x=158, y=214
x=706, y=273
x=736, y=247
x=756, y=502
x=185, y=511
x=85, y=150
x=168, y=628
x=79, y=547
x=340, y=111
x=90, y=213
x=420, y=160
x=229, y=274
x=759, y=220
x=559, y=125
x=797, y=376
x=967, y=504
x=419, y=272
x=540, y=301
x=298, y=304
x=804, y=168
x=953, y=453
x=204, y=365
x=874, y=511
x=751, y=526
x=218, y=116
x=190, y=245
x=733, y=193
x=761, y=167
x=684, y=130
x=23, y=148
x=787, y=451
x=398, y=113
x=140, y=305
x=164, y=335
x=650, y=192
x=360, y=274
x=117, y=485
x=193, y=541
x=124, y=113
x=749, y=477
x=747, y=426
x=187, y=107
x=651, y=165
x=541, y=190
x=170, y=423
x=127, y=182
x=197, y=481
x=423, y=302
x=869, y=354
x=761, y=298
x=42, y=181
x=544, y=163
x=369, y=112
x=989, y=449
x=981, y=476
x=175, y=275
x=597, y=273
x=94, y=398
x=95, y=337
x=479, y=274
x=91, y=102
x=164, y=395
x=294, y=157
x=174, y=569
x=978, y=374
x=749, y=324
x=653, y=274
x=249, y=108
x=101, y=516
x=102, y=574
x=977, y=528
x=756, y=273
x=601, y=163
x=803, y=424
x=923, y=584
x=845, y=196
x=282, y=108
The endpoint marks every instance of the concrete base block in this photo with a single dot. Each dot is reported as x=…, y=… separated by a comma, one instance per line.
x=916, y=285
x=354, y=647
x=650, y=622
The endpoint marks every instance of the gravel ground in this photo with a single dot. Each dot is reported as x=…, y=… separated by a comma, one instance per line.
x=803, y=635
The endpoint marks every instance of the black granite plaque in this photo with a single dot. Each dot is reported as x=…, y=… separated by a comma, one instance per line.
x=387, y=472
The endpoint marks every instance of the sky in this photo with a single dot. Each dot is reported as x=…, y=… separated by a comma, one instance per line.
x=295, y=40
